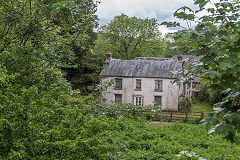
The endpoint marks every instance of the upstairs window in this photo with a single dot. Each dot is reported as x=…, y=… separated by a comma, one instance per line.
x=118, y=98
x=138, y=84
x=138, y=100
x=158, y=85
x=118, y=83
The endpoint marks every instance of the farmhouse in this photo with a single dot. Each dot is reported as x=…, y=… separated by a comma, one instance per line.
x=143, y=81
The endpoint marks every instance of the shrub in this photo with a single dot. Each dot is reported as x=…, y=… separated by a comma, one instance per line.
x=185, y=104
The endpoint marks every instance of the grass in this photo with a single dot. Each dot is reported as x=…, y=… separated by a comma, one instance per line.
x=197, y=107
x=201, y=107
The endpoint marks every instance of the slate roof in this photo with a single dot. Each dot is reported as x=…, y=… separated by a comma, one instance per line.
x=175, y=57
x=144, y=67
x=191, y=58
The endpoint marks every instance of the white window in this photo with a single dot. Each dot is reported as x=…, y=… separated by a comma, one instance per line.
x=158, y=85
x=138, y=84
x=138, y=100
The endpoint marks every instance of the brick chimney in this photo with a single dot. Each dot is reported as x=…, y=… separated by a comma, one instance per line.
x=108, y=57
x=179, y=57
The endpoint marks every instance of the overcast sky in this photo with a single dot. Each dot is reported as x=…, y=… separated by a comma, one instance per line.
x=162, y=10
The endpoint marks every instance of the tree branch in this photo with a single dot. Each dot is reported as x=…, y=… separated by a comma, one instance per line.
x=5, y=45
x=5, y=33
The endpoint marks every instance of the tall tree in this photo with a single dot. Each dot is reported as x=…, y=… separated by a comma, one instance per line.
x=216, y=36
x=86, y=76
x=37, y=37
x=130, y=37
x=59, y=32
x=178, y=43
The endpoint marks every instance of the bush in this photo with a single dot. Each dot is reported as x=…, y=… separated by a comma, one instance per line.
x=185, y=104
x=176, y=141
x=209, y=96
x=118, y=110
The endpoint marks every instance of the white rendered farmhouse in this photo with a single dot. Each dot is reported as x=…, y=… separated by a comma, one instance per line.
x=143, y=81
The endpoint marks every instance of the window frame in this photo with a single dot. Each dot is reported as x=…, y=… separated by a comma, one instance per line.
x=138, y=100
x=118, y=101
x=118, y=83
x=138, y=84
x=158, y=104
x=158, y=85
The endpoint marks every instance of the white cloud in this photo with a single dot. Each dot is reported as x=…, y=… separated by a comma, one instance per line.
x=164, y=30
x=159, y=9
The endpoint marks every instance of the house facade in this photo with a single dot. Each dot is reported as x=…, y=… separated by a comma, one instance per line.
x=147, y=81
x=143, y=81
x=142, y=91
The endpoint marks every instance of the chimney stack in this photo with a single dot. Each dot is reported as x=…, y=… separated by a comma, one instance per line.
x=108, y=57
x=179, y=57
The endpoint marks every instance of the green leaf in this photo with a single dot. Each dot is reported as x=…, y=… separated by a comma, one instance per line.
x=193, y=45
x=207, y=18
x=212, y=10
x=220, y=104
x=222, y=50
x=214, y=74
x=171, y=24
x=233, y=117
x=181, y=13
x=225, y=66
x=220, y=18
x=201, y=3
x=223, y=33
x=226, y=130
x=208, y=59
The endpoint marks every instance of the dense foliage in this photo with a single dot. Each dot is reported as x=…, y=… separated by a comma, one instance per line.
x=176, y=141
x=87, y=76
x=185, y=104
x=216, y=36
x=177, y=43
x=57, y=33
x=130, y=37
x=76, y=129
x=42, y=118
x=41, y=124
x=37, y=106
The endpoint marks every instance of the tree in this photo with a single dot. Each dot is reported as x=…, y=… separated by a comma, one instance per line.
x=178, y=43
x=216, y=36
x=57, y=33
x=40, y=116
x=130, y=37
x=83, y=42
x=87, y=75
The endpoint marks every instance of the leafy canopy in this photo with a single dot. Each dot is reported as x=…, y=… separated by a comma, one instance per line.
x=130, y=37
x=56, y=33
x=40, y=116
x=216, y=36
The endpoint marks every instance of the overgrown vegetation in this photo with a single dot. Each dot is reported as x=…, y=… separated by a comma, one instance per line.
x=216, y=36
x=185, y=104
x=168, y=142
x=41, y=117
x=202, y=107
